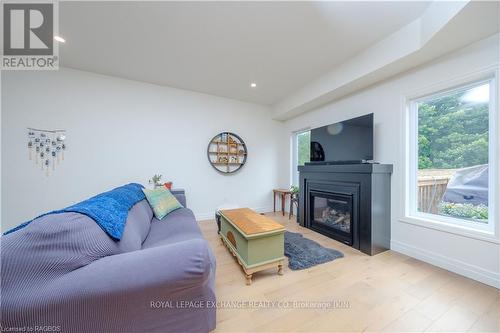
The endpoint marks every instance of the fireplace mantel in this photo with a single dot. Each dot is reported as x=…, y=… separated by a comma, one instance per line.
x=371, y=186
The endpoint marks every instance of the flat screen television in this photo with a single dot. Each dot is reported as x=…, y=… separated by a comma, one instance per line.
x=346, y=141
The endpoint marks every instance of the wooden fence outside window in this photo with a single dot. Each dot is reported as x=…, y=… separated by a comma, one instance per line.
x=431, y=188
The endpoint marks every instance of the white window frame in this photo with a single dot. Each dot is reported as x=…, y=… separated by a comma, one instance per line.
x=489, y=231
x=294, y=172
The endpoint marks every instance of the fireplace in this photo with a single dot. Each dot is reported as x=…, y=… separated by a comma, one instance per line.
x=350, y=203
x=332, y=214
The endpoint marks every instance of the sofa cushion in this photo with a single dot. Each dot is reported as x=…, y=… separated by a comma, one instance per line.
x=75, y=239
x=162, y=201
x=56, y=244
x=137, y=227
x=178, y=226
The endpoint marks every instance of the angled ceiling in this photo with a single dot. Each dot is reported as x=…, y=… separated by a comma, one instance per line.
x=220, y=47
x=442, y=28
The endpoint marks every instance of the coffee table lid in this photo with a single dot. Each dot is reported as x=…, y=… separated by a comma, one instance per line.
x=250, y=222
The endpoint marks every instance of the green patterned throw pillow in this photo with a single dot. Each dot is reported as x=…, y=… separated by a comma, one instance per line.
x=162, y=201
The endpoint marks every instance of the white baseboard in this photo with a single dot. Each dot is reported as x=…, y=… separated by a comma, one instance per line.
x=211, y=215
x=204, y=216
x=453, y=265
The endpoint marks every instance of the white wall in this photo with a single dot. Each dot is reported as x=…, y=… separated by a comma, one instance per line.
x=121, y=131
x=475, y=258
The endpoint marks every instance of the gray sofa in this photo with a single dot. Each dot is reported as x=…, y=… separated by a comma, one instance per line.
x=64, y=273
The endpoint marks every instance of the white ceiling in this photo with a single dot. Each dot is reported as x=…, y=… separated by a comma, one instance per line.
x=220, y=47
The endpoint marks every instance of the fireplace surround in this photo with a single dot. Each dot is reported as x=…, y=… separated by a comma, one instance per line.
x=350, y=203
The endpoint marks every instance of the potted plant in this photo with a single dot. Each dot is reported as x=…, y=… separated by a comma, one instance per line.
x=155, y=180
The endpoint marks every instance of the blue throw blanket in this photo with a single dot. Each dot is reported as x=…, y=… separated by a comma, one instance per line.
x=108, y=209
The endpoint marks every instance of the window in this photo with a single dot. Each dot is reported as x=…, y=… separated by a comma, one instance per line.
x=450, y=155
x=301, y=147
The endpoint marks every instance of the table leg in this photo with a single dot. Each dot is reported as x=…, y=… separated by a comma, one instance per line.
x=283, y=199
x=280, y=269
x=274, y=201
x=249, y=279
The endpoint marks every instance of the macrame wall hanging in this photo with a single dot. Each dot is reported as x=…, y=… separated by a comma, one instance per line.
x=46, y=147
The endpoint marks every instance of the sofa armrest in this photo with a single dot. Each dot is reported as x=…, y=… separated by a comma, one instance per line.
x=180, y=194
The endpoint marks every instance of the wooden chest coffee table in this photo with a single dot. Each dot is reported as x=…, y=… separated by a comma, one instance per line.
x=255, y=240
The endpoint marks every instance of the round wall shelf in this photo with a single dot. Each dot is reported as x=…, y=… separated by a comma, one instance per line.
x=227, y=152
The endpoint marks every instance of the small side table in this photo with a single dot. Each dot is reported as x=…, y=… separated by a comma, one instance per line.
x=283, y=194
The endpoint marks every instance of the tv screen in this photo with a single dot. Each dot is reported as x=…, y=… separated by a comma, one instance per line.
x=349, y=140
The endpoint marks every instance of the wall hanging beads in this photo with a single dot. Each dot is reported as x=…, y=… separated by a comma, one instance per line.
x=46, y=147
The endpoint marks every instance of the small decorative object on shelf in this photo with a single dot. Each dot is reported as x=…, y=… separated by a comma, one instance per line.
x=48, y=146
x=227, y=152
x=222, y=159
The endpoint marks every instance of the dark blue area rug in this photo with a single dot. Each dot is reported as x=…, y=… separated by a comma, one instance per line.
x=303, y=253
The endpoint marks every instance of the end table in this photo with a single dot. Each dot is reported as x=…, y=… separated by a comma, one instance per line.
x=283, y=193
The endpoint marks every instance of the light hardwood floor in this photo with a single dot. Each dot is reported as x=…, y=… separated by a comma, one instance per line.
x=389, y=292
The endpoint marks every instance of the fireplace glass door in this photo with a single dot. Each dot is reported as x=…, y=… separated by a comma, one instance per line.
x=331, y=213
